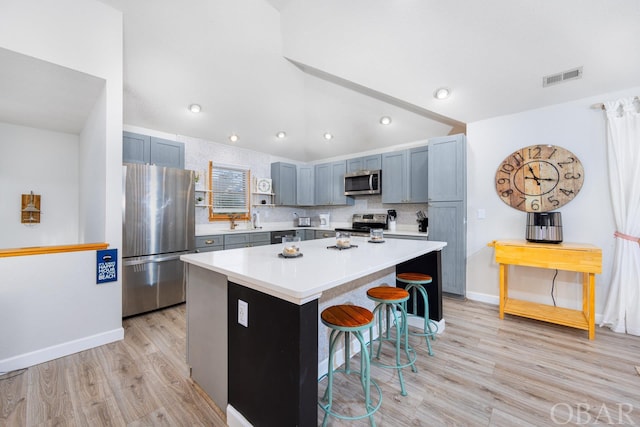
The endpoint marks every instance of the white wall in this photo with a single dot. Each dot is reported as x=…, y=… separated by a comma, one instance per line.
x=587, y=219
x=46, y=163
x=93, y=185
x=50, y=305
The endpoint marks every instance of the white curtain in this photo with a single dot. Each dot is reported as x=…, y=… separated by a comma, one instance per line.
x=622, y=309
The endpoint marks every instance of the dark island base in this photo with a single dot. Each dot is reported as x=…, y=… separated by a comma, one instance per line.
x=428, y=264
x=273, y=363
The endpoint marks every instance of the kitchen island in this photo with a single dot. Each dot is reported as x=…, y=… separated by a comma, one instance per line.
x=253, y=318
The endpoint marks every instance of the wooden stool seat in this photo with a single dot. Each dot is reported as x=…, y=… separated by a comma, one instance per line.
x=388, y=294
x=346, y=316
x=420, y=278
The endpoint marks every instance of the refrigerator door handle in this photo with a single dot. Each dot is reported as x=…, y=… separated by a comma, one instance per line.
x=151, y=259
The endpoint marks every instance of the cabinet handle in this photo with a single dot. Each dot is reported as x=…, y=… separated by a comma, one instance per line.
x=208, y=242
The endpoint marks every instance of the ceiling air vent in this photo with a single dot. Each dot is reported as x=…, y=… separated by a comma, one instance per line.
x=553, y=79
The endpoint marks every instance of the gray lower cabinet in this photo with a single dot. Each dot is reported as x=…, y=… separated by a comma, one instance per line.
x=210, y=243
x=323, y=234
x=246, y=240
x=447, y=224
x=284, y=177
x=404, y=176
x=305, y=234
x=146, y=149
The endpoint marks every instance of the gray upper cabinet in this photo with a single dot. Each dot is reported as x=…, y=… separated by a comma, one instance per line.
x=136, y=148
x=447, y=177
x=370, y=163
x=167, y=153
x=448, y=207
x=394, y=178
x=329, y=184
x=323, y=184
x=284, y=177
x=404, y=176
x=418, y=176
x=146, y=149
x=305, y=186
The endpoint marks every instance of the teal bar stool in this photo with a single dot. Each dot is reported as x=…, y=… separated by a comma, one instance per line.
x=347, y=320
x=415, y=284
x=391, y=302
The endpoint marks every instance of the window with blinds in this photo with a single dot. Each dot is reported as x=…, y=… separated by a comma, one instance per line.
x=229, y=192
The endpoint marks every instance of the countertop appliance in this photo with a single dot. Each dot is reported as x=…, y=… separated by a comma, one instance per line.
x=255, y=220
x=276, y=236
x=363, y=223
x=363, y=182
x=544, y=227
x=325, y=219
x=158, y=226
x=302, y=221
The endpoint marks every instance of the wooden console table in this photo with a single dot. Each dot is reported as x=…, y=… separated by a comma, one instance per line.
x=582, y=258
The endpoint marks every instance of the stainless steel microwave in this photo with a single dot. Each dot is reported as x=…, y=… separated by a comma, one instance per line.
x=363, y=182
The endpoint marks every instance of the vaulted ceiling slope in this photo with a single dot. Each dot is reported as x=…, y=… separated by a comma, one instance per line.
x=308, y=67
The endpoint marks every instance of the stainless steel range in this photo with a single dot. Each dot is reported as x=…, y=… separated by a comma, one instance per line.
x=361, y=224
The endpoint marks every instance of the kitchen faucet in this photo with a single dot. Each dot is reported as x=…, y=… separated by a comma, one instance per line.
x=233, y=218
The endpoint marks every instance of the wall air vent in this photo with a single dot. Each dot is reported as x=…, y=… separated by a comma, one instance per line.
x=554, y=79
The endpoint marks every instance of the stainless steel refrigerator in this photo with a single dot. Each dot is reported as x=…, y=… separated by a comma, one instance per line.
x=158, y=226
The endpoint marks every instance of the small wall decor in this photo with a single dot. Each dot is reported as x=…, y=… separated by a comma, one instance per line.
x=30, y=209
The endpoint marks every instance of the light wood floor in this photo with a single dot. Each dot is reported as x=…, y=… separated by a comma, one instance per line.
x=485, y=372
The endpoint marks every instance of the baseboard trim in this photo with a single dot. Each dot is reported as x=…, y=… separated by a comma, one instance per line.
x=489, y=299
x=26, y=360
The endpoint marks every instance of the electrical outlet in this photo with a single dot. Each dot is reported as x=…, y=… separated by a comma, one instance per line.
x=243, y=313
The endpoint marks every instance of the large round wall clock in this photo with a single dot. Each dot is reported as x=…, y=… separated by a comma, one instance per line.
x=539, y=178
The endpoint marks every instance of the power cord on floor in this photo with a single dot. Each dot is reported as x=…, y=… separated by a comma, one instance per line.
x=553, y=285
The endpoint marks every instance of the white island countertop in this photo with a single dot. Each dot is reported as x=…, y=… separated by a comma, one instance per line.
x=303, y=279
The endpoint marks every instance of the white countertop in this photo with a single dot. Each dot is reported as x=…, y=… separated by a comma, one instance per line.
x=303, y=279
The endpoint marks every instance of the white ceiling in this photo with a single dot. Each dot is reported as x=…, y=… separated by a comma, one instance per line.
x=309, y=66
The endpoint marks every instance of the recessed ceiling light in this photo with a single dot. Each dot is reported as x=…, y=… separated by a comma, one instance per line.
x=281, y=134
x=327, y=136
x=442, y=93
x=234, y=137
x=195, y=108
x=385, y=120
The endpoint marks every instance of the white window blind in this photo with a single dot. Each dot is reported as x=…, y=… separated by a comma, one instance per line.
x=230, y=189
